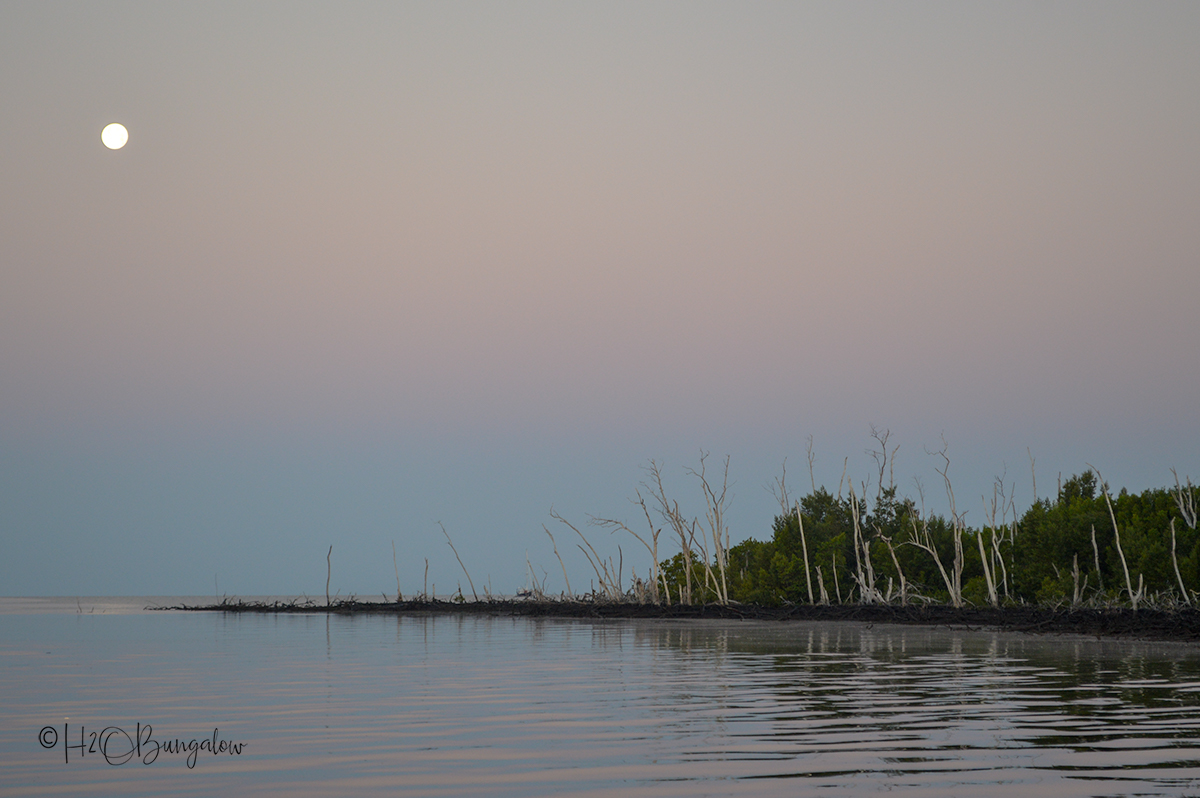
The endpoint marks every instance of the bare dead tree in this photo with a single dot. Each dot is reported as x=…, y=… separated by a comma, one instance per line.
x=811, y=458
x=804, y=550
x=864, y=571
x=651, y=545
x=883, y=458
x=1001, y=531
x=868, y=591
x=608, y=590
x=957, y=522
x=716, y=499
x=858, y=571
x=619, y=569
x=539, y=586
x=922, y=539
x=821, y=583
x=988, y=575
x=1078, y=589
x=460, y=564
x=1134, y=597
x=705, y=559
x=716, y=502
x=885, y=461
x=988, y=561
x=396, y=566
x=900, y=571
x=1032, y=472
x=566, y=578
x=1007, y=504
x=780, y=492
x=1175, y=562
x=1096, y=555
x=683, y=529
x=609, y=582
x=1185, y=498
x=788, y=506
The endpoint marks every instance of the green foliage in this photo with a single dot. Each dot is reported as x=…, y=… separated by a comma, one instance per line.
x=1032, y=560
x=675, y=573
x=1052, y=535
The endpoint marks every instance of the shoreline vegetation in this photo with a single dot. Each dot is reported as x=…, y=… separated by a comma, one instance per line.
x=1178, y=625
x=1084, y=560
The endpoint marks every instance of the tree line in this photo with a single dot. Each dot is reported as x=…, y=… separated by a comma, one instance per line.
x=1084, y=546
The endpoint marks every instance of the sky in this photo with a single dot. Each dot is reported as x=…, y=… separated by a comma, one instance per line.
x=367, y=267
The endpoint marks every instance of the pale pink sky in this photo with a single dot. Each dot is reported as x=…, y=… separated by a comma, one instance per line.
x=516, y=241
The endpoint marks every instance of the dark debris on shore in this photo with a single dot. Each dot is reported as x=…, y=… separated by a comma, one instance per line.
x=1145, y=624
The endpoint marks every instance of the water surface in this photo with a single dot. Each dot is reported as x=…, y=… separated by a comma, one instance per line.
x=502, y=706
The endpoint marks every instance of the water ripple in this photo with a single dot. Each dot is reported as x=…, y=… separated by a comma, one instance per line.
x=519, y=706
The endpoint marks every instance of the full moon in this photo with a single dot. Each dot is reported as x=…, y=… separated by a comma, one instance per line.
x=114, y=136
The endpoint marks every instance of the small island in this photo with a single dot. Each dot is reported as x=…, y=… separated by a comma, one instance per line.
x=1085, y=562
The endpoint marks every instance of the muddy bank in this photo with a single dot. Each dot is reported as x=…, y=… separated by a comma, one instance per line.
x=1145, y=624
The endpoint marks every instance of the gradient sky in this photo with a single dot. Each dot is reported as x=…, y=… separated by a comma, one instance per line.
x=366, y=267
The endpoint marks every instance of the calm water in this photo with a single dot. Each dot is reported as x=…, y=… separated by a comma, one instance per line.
x=333, y=706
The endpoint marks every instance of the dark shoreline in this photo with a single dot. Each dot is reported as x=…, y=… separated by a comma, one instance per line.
x=1145, y=624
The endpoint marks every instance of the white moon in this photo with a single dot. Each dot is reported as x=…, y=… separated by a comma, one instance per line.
x=114, y=136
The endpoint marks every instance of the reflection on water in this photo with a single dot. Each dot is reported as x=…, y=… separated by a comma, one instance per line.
x=519, y=706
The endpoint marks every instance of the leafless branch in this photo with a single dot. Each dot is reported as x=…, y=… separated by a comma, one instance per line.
x=1134, y=597
x=460, y=563
x=811, y=477
x=566, y=578
x=1185, y=498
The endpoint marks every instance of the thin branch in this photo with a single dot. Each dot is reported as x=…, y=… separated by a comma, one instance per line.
x=651, y=545
x=1186, y=500
x=560, y=561
x=811, y=477
x=460, y=563
x=1032, y=472
x=804, y=550
x=397, y=567
x=1134, y=598
x=1175, y=563
x=607, y=583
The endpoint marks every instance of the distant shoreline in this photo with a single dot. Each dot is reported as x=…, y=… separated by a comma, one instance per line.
x=1121, y=623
